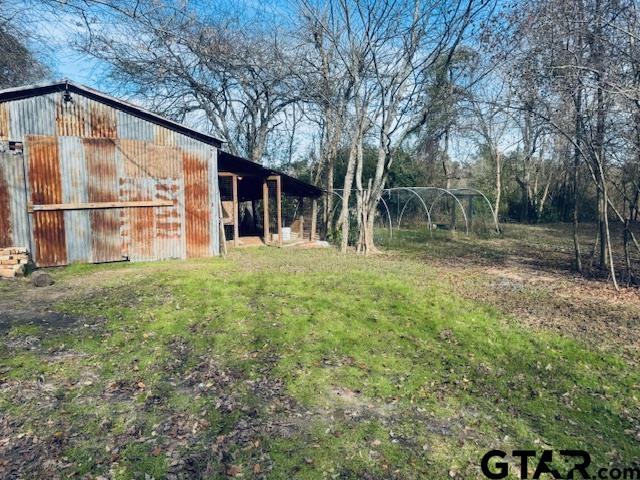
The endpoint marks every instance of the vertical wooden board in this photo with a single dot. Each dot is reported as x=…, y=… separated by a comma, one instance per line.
x=196, y=194
x=45, y=184
x=103, y=186
x=75, y=190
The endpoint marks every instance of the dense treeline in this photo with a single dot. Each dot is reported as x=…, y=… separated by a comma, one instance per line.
x=537, y=102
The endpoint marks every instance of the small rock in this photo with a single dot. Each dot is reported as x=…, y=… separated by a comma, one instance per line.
x=41, y=279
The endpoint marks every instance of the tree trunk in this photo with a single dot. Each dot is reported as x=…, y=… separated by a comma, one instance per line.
x=355, y=156
x=576, y=164
x=498, y=161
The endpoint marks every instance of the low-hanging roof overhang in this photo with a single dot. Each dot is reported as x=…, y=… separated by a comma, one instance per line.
x=253, y=175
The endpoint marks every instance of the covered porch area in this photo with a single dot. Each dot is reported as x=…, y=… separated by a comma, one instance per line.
x=261, y=206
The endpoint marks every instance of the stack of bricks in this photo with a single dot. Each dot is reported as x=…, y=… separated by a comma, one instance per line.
x=13, y=262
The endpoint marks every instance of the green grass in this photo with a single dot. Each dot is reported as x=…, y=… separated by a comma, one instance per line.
x=384, y=371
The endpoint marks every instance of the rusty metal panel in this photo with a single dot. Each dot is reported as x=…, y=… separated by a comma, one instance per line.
x=169, y=238
x=6, y=229
x=74, y=190
x=71, y=117
x=138, y=224
x=102, y=120
x=196, y=194
x=4, y=122
x=213, y=202
x=45, y=182
x=146, y=160
x=103, y=186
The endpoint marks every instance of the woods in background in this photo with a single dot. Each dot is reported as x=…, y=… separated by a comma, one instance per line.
x=537, y=102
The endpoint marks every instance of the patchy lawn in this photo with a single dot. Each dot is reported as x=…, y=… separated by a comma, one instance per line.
x=310, y=364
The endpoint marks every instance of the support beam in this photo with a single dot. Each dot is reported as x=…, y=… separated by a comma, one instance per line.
x=236, y=228
x=265, y=211
x=301, y=218
x=279, y=207
x=314, y=219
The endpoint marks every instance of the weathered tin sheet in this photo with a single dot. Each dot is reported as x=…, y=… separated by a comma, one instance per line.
x=14, y=221
x=213, y=202
x=164, y=136
x=4, y=122
x=169, y=237
x=138, y=224
x=86, y=151
x=71, y=117
x=6, y=229
x=45, y=182
x=103, y=186
x=196, y=194
x=31, y=116
x=134, y=128
x=74, y=190
x=102, y=120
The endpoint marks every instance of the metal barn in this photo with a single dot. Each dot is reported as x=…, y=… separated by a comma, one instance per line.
x=87, y=178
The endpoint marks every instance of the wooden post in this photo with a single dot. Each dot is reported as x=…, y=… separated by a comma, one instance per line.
x=236, y=227
x=279, y=207
x=301, y=218
x=314, y=219
x=265, y=210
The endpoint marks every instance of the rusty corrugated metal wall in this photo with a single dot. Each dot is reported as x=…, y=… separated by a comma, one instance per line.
x=85, y=152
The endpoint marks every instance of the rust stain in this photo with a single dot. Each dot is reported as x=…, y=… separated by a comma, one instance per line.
x=138, y=223
x=146, y=160
x=70, y=118
x=46, y=187
x=103, y=121
x=5, y=213
x=4, y=122
x=168, y=224
x=196, y=196
x=103, y=186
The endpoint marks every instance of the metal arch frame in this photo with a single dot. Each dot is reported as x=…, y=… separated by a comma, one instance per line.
x=493, y=212
x=444, y=191
x=429, y=222
x=379, y=199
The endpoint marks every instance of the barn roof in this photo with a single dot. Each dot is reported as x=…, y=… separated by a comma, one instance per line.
x=28, y=91
x=253, y=173
x=252, y=188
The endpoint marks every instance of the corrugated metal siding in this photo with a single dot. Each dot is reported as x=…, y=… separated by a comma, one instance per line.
x=103, y=186
x=45, y=182
x=74, y=190
x=4, y=123
x=85, y=151
x=31, y=116
x=6, y=229
x=196, y=194
x=14, y=221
